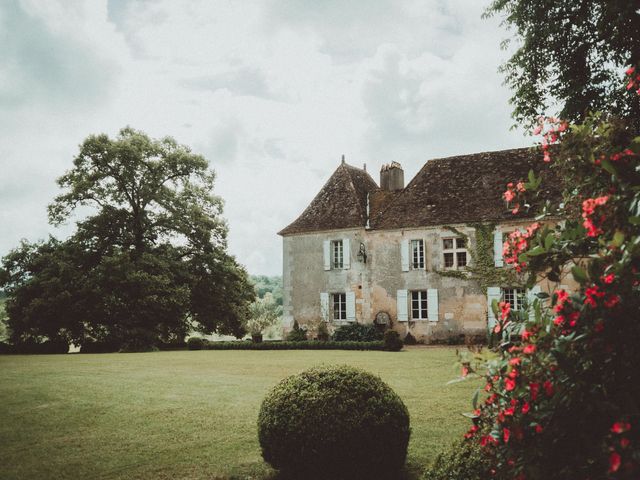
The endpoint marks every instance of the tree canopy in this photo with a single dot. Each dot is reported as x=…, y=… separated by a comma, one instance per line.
x=571, y=56
x=148, y=264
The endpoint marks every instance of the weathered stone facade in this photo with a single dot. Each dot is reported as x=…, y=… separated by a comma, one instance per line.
x=376, y=274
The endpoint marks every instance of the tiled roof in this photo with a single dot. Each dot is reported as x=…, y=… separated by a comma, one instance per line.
x=453, y=190
x=341, y=203
x=465, y=188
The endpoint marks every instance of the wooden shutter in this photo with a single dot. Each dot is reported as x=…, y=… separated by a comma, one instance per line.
x=351, y=307
x=402, y=305
x=404, y=255
x=493, y=293
x=346, y=254
x=324, y=306
x=326, y=248
x=432, y=304
x=497, y=248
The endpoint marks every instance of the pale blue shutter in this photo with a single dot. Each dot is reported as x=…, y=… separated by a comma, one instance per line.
x=402, y=305
x=432, y=304
x=497, y=248
x=493, y=293
x=404, y=255
x=324, y=306
x=346, y=252
x=351, y=307
x=326, y=248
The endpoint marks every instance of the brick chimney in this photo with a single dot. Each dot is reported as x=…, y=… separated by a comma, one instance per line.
x=391, y=177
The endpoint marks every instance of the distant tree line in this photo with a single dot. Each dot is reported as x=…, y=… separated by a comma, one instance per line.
x=268, y=284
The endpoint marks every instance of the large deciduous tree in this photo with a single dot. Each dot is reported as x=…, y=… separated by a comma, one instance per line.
x=147, y=264
x=571, y=56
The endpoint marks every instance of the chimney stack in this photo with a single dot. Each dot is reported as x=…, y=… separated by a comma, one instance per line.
x=391, y=177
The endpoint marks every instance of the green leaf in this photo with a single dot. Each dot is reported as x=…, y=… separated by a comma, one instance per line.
x=548, y=241
x=618, y=239
x=609, y=167
x=535, y=251
x=634, y=220
x=579, y=274
x=474, y=400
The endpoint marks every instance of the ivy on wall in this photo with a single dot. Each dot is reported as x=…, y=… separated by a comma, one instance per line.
x=482, y=269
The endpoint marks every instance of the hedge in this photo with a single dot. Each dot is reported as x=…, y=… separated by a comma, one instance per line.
x=306, y=345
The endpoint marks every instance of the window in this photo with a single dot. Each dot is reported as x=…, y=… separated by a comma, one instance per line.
x=515, y=297
x=339, y=301
x=419, y=305
x=455, y=252
x=337, y=257
x=417, y=254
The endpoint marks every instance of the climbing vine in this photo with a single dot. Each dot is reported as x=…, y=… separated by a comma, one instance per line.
x=482, y=269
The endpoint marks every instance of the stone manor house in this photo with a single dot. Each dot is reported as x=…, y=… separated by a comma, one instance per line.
x=363, y=252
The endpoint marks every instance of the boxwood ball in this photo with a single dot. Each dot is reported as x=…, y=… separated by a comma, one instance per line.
x=340, y=421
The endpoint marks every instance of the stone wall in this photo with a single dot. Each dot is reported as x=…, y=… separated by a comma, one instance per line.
x=462, y=306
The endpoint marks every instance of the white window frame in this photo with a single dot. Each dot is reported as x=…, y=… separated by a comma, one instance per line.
x=339, y=299
x=337, y=254
x=455, y=250
x=420, y=304
x=515, y=296
x=416, y=248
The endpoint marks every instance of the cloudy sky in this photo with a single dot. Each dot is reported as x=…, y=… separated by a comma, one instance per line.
x=272, y=92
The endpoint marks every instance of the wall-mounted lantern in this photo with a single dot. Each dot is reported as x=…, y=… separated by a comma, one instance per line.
x=362, y=253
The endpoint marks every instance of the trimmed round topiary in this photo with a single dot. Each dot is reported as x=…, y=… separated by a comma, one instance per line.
x=334, y=422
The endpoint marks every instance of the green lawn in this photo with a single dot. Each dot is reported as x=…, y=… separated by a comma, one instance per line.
x=188, y=414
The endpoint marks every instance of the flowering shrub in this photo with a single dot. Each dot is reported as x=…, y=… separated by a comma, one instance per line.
x=564, y=402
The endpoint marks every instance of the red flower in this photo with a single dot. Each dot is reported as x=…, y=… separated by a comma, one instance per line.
x=573, y=318
x=506, y=433
x=611, y=301
x=534, y=388
x=509, y=195
x=609, y=279
x=558, y=320
x=614, y=462
x=548, y=388
x=487, y=440
x=561, y=298
x=526, y=334
x=471, y=432
x=526, y=407
x=515, y=361
x=509, y=384
x=529, y=349
x=505, y=308
x=539, y=428
x=624, y=442
x=592, y=293
x=621, y=427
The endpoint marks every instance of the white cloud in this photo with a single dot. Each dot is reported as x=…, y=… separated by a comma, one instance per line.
x=271, y=92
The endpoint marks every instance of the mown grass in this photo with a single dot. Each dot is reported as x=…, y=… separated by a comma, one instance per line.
x=190, y=414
